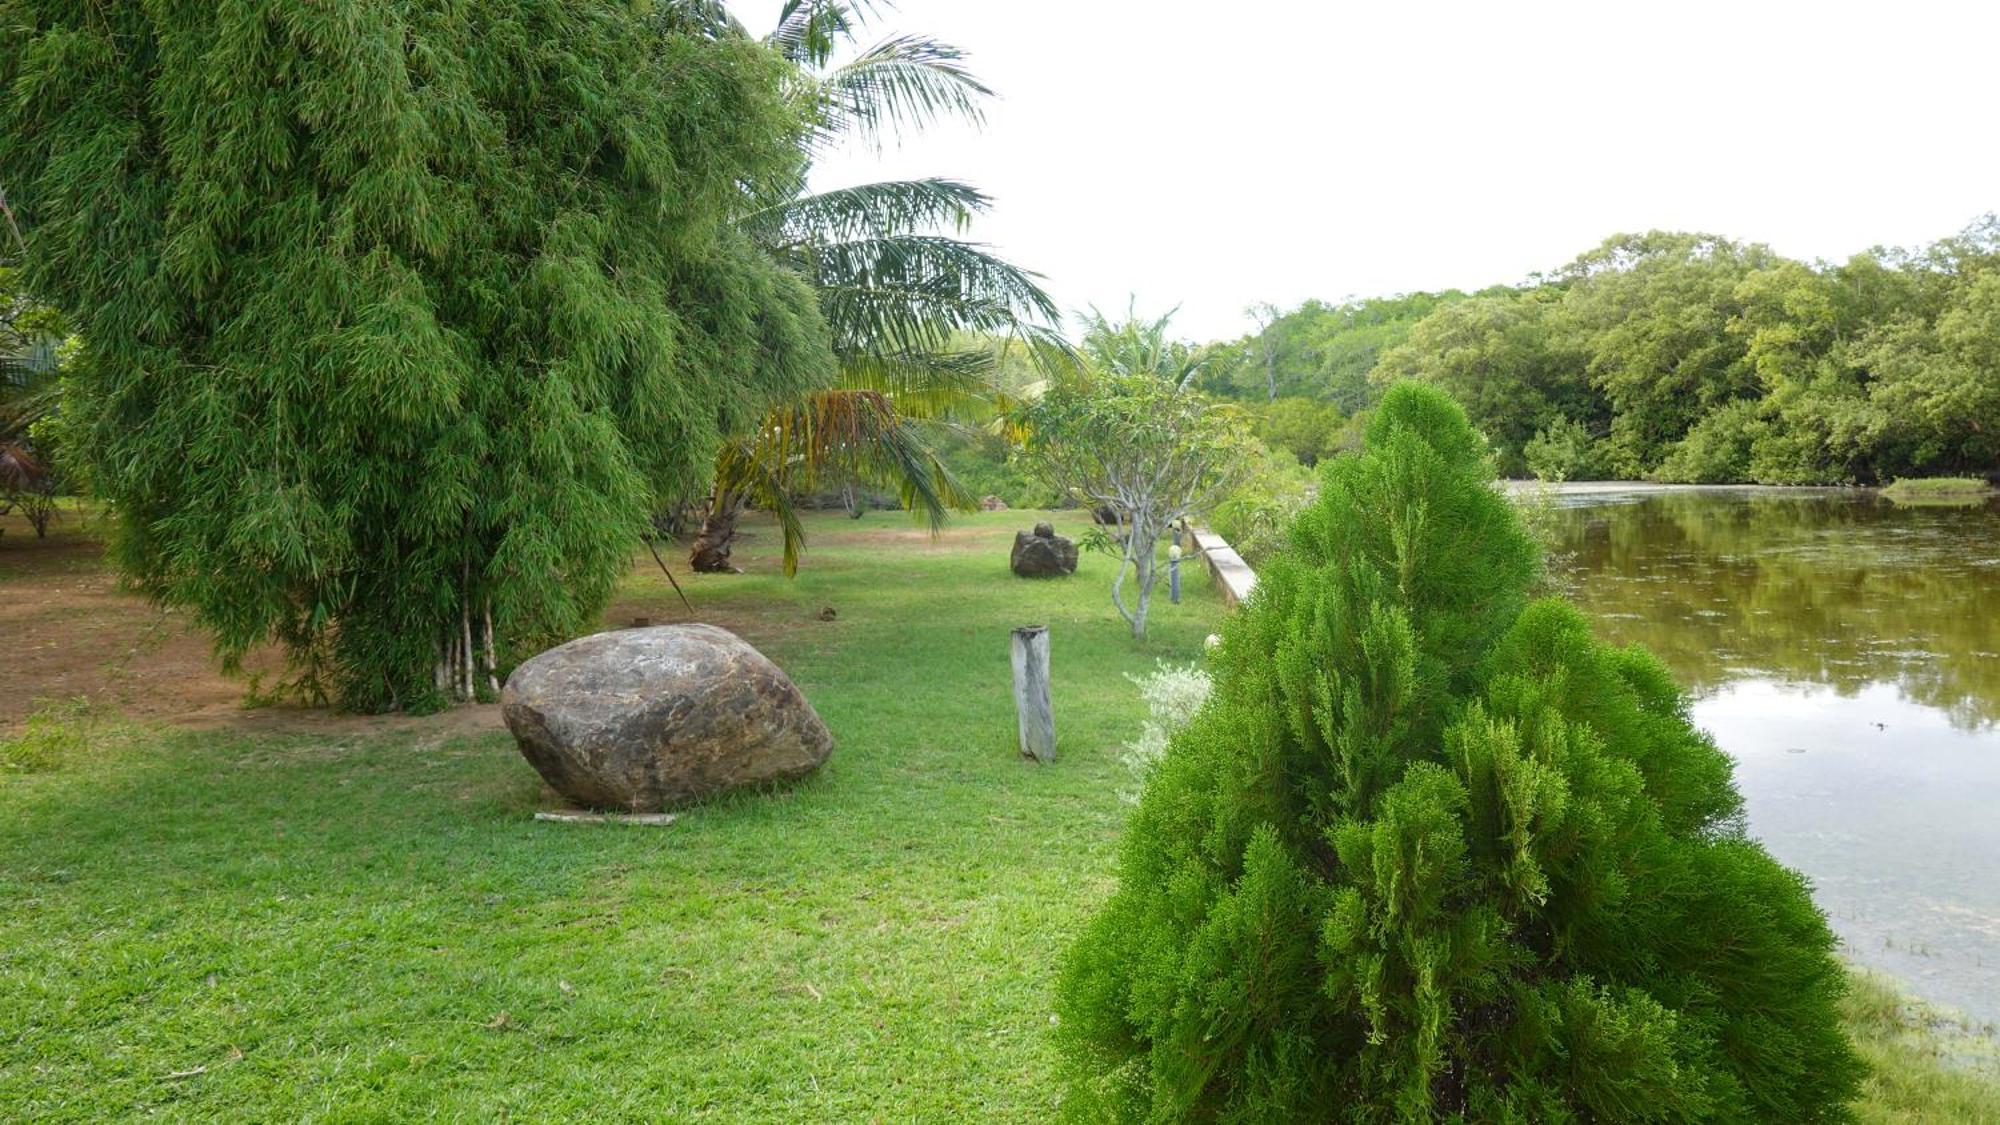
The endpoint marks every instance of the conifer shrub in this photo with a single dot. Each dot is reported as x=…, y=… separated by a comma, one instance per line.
x=1433, y=852
x=400, y=317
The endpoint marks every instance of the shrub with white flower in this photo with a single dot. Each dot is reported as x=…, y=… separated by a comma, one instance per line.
x=1174, y=694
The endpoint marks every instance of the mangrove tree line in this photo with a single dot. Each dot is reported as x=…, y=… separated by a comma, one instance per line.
x=1672, y=356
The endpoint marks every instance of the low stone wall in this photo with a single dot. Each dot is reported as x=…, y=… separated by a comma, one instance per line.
x=1232, y=575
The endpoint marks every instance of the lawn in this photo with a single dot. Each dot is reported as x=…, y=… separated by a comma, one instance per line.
x=252, y=923
x=279, y=917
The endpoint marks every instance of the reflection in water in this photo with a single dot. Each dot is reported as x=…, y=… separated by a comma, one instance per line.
x=1839, y=589
x=1895, y=823
x=1846, y=652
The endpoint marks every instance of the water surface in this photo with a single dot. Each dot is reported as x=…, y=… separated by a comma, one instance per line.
x=1846, y=652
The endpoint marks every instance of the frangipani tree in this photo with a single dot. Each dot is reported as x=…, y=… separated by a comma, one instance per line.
x=1151, y=452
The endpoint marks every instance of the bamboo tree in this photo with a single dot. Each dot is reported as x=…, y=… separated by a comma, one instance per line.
x=400, y=317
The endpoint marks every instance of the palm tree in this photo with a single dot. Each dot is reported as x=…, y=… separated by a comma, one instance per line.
x=27, y=395
x=901, y=292
x=1136, y=346
x=27, y=480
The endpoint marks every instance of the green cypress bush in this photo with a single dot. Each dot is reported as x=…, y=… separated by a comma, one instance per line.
x=1432, y=852
x=399, y=314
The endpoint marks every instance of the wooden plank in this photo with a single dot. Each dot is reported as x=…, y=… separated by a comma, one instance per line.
x=578, y=816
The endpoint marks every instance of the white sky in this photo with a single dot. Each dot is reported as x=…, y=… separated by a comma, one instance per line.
x=1218, y=154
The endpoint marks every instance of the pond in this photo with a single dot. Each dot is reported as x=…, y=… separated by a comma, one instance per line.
x=1845, y=651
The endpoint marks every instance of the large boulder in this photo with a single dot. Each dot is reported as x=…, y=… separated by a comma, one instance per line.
x=644, y=719
x=1042, y=553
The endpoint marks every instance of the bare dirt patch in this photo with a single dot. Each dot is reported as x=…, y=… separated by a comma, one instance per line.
x=70, y=632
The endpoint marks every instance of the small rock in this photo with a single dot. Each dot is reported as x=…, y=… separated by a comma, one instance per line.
x=1042, y=553
x=827, y=614
x=992, y=504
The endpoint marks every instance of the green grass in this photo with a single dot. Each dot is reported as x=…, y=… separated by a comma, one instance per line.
x=1927, y=1066
x=52, y=734
x=1937, y=488
x=334, y=925
x=228, y=926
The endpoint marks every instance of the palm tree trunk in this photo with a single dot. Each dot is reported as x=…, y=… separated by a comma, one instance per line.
x=710, y=553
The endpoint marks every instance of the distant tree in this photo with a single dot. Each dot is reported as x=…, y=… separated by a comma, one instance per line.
x=1317, y=351
x=1936, y=386
x=1140, y=445
x=1264, y=344
x=1866, y=370
x=1651, y=315
x=1562, y=450
x=1138, y=346
x=1807, y=423
x=1308, y=429
x=1498, y=356
x=1431, y=852
x=400, y=317
x=1684, y=357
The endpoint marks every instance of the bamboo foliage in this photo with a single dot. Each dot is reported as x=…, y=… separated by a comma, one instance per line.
x=400, y=316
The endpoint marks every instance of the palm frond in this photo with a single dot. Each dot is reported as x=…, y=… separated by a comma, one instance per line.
x=874, y=210
x=808, y=31
x=24, y=404
x=744, y=469
x=1135, y=346
x=831, y=435
x=896, y=87
x=26, y=397
x=898, y=293
x=911, y=292
x=1051, y=352
x=956, y=384
x=20, y=469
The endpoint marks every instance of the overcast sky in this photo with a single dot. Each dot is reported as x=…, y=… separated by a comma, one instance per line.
x=1217, y=154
